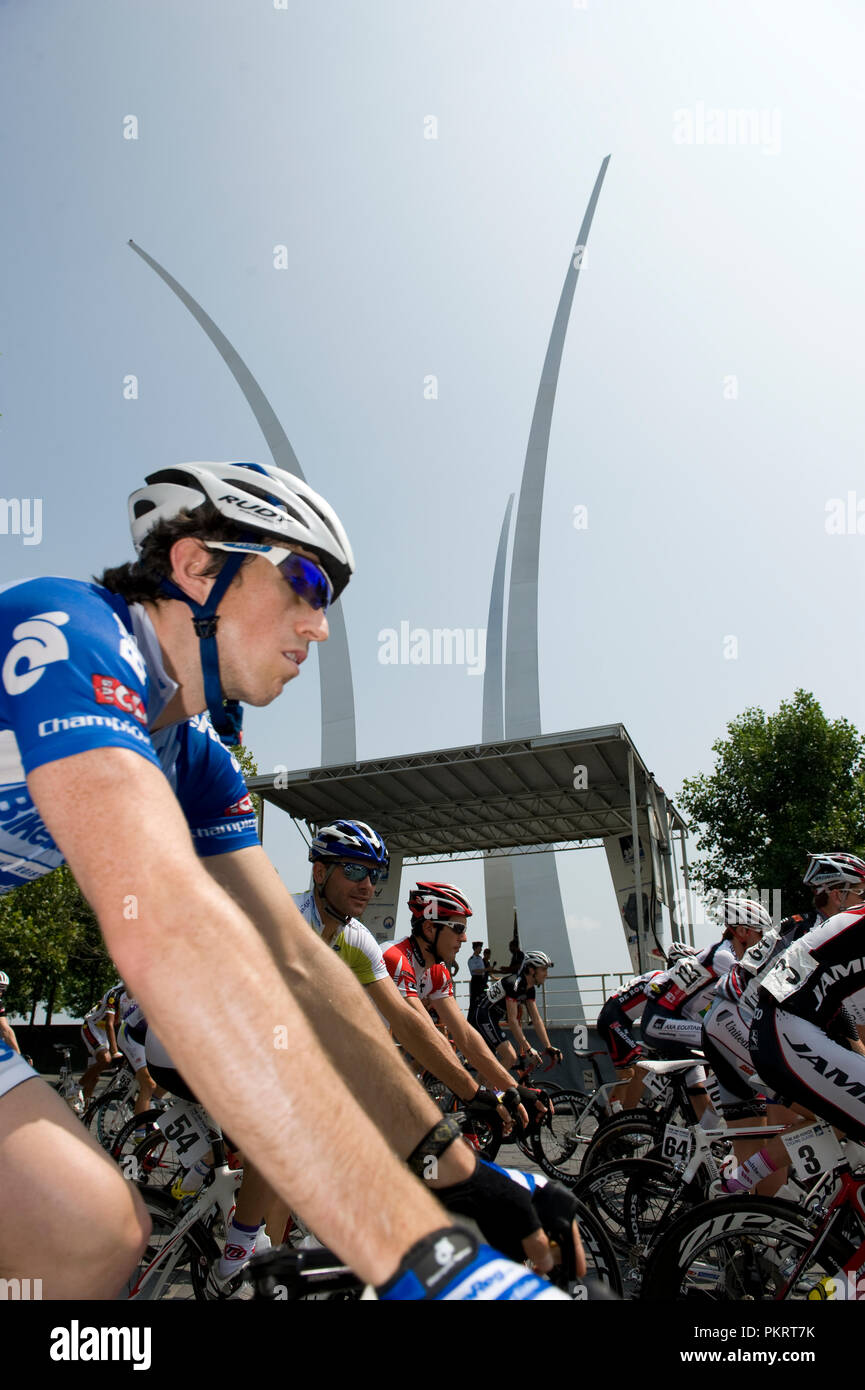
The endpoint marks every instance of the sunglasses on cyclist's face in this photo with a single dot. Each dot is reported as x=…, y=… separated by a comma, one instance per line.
x=356, y=873
x=306, y=577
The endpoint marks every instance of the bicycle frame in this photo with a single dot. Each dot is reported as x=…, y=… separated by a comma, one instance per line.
x=849, y=1198
x=217, y=1195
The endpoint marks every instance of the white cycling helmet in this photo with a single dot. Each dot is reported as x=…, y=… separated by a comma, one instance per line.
x=537, y=958
x=834, y=871
x=746, y=912
x=679, y=949
x=269, y=505
x=259, y=497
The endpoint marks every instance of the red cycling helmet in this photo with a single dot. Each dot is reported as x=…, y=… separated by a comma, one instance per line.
x=436, y=903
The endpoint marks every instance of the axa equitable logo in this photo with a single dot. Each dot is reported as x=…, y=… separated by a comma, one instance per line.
x=438, y=646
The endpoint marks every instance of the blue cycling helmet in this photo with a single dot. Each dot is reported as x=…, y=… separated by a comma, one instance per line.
x=349, y=840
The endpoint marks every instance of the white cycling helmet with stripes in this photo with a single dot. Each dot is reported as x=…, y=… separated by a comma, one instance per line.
x=834, y=871
x=745, y=912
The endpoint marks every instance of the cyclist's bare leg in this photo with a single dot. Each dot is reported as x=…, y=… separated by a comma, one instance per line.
x=630, y=1087
x=88, y=1081
x=147, y=1090
x=69, y=1217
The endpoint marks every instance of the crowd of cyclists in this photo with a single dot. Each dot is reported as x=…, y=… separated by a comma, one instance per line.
x=118, y=702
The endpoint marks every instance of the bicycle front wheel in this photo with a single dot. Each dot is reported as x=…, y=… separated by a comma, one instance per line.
x=737, y=1249
x=630, y=1135
x=170, y=1268
x=559, y=1142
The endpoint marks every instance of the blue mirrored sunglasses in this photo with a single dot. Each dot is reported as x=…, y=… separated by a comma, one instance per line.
x=356, y=873
x=306, y=577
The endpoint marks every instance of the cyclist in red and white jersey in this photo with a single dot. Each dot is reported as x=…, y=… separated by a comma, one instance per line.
x=623, y=1008
x=504, y=1000
x=418, y=966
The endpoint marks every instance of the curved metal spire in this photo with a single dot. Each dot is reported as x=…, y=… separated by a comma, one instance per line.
x=498, y=874
x=493, y=719
x=536, y=879
x=338, y=735
x=522, y=690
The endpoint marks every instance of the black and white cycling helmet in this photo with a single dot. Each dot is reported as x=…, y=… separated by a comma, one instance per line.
x=537, y=958
x=270, y=505
x=834, y=871
x=349, y=840
x=4, y=979
x=679, y=949
x=745, y=912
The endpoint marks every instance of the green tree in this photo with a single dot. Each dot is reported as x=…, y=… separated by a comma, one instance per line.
x=784, y=784
x=51, y=947
x=249, y=768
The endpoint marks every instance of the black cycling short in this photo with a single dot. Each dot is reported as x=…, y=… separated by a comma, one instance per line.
x=612, y=1025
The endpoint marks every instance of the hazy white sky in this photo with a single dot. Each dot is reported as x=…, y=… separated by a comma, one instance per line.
x=709, y=404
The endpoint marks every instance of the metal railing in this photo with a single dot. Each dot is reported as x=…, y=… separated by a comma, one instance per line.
x=559, y=996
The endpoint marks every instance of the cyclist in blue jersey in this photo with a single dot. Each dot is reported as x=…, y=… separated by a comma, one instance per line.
x=109, y=761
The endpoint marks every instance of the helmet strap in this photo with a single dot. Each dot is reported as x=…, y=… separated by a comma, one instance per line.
x=227, y=715
x=329, y=907
x=432, y=946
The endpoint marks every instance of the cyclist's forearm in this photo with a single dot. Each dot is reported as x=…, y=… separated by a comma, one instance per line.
x=485, y=1062
x=341, y=1015
x=540, y=1028
x=421, y=1038
x=310, y=1139
x=8, y=1035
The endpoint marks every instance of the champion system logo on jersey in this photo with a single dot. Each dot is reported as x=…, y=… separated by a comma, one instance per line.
x=110, y=691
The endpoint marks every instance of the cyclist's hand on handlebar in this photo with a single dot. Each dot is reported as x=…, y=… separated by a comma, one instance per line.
x=555, y=1056
x=513, y=1103
x=537, y=1104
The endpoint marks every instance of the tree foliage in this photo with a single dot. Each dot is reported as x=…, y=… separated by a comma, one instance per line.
x=51, y=947
x=50, y=943
x=784, y=784
x=249, y=768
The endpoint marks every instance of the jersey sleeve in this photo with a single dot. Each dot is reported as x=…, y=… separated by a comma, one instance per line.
x=442, y=985
x=72, y=675
x=401, y=971
x=212, y=793
x=362, y=953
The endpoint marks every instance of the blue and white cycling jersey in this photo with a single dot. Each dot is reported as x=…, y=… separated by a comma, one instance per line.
x=82, y=669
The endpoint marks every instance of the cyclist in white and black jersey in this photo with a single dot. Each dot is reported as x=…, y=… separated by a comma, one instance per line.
x=799, y=1000
x=727, y=1024
x=502, y=1002
x=672, y=1021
